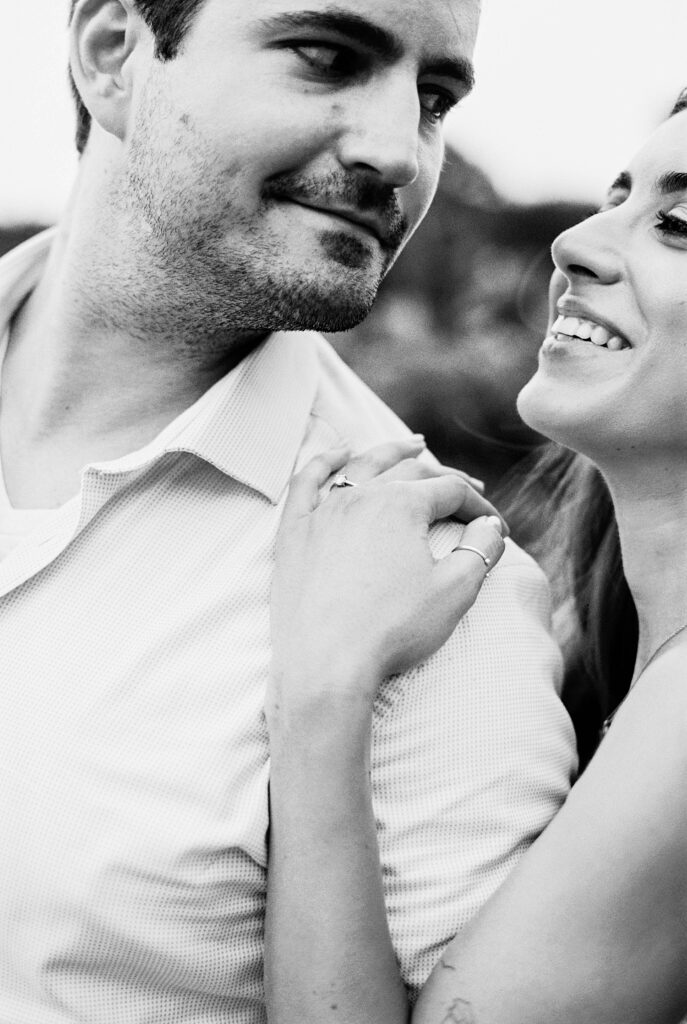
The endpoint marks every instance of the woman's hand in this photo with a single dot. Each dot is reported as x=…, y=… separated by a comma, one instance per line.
x=357, y=594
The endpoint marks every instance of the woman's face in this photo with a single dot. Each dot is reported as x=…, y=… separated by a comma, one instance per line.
x=612, y=376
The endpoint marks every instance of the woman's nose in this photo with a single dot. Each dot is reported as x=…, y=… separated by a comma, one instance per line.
x=589, y=250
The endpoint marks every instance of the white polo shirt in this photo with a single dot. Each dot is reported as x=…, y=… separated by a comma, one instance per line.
x=134, y=761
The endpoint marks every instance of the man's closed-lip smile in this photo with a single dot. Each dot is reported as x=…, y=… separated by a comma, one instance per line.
x=372, y=224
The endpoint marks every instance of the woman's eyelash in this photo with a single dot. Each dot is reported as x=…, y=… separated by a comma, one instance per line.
x=672, y=225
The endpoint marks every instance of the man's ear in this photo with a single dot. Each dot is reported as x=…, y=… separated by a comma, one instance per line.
x=103, y=37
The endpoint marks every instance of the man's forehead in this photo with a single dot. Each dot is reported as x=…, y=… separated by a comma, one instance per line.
x=436, y=25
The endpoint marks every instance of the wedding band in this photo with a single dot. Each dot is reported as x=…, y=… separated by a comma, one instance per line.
x=341, y=480
x=468, y=547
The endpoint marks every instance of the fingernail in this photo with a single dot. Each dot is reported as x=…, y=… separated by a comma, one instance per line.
x=496, y=523
x=418, y=438
x=477, y=484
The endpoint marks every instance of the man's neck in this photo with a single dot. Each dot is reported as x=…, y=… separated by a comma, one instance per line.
x=85, y=380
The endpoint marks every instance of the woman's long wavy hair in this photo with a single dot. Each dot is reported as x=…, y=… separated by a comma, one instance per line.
x=560, y=510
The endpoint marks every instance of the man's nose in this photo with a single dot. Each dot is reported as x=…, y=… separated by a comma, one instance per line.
x=591, y=249
x=382, y=134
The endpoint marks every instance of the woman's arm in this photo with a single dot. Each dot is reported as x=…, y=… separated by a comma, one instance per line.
x=340, y=608
x=328, y=951
x=592, y=926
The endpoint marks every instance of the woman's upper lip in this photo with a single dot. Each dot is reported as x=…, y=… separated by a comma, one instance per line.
x=569, y=306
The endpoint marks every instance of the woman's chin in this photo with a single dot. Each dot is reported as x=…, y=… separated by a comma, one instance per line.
x=544, y=409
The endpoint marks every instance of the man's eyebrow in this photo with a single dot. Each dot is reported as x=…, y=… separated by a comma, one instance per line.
x=459, y=68
x=673, y=181
x=373, y=37
x=333, y=19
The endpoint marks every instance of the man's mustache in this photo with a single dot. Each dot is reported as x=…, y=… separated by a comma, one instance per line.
x=354, y=192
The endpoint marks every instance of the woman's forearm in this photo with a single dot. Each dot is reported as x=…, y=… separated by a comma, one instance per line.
x=355, y=581
x=328, y=953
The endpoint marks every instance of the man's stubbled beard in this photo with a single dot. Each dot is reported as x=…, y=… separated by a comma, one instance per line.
x=204, y=271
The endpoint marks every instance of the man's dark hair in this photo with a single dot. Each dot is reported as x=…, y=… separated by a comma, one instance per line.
x=169, y=21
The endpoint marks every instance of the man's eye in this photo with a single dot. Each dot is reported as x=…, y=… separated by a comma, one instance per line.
x=436, y=103
x=325, y=57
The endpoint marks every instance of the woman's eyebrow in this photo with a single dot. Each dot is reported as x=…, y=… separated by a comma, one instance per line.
x=672, y=181
x=623, y=182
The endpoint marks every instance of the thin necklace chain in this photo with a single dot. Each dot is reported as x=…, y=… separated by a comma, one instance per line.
x=607, y=722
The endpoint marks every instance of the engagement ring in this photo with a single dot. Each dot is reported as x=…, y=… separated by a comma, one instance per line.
x=342, y=481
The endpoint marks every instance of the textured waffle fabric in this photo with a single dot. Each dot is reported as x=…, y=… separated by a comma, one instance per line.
x=134, y=762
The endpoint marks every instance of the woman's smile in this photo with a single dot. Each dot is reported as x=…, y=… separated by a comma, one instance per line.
x=586, y=329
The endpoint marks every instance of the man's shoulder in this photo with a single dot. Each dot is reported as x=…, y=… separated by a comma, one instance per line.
x=348, y=405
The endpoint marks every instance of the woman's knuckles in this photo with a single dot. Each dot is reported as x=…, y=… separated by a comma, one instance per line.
x=375, y=461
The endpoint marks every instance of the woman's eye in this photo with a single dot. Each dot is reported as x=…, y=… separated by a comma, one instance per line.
x=679, y=211
x=674, y=222
x=325, y=57
x=436, y=103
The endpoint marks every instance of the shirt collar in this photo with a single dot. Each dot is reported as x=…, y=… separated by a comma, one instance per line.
x=250, y=424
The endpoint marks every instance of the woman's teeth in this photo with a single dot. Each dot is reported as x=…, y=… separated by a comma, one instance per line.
x=587, y=330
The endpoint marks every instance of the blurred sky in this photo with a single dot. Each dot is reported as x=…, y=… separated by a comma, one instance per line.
x=567, y=89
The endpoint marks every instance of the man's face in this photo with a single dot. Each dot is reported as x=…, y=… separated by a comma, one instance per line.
x=282, y=159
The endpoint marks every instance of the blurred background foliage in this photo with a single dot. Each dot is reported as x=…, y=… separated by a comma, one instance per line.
x=458, y=322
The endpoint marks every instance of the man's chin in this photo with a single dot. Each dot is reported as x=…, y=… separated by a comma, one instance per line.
x=315, y=302
x=350, y=252
x=341, y=321
x=327, y=316
x=332, y=289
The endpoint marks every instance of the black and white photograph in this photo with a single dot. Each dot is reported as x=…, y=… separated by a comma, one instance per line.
x=343, y=512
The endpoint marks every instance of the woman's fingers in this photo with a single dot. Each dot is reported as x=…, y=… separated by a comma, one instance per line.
x=451, y=495
x=431, y=460
x=466, y=568
x=397, y=460
x=305, y=486
x=472, y=480
x=482, y=541
x=393, y=462
x=382, y=457
x=423, y=469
